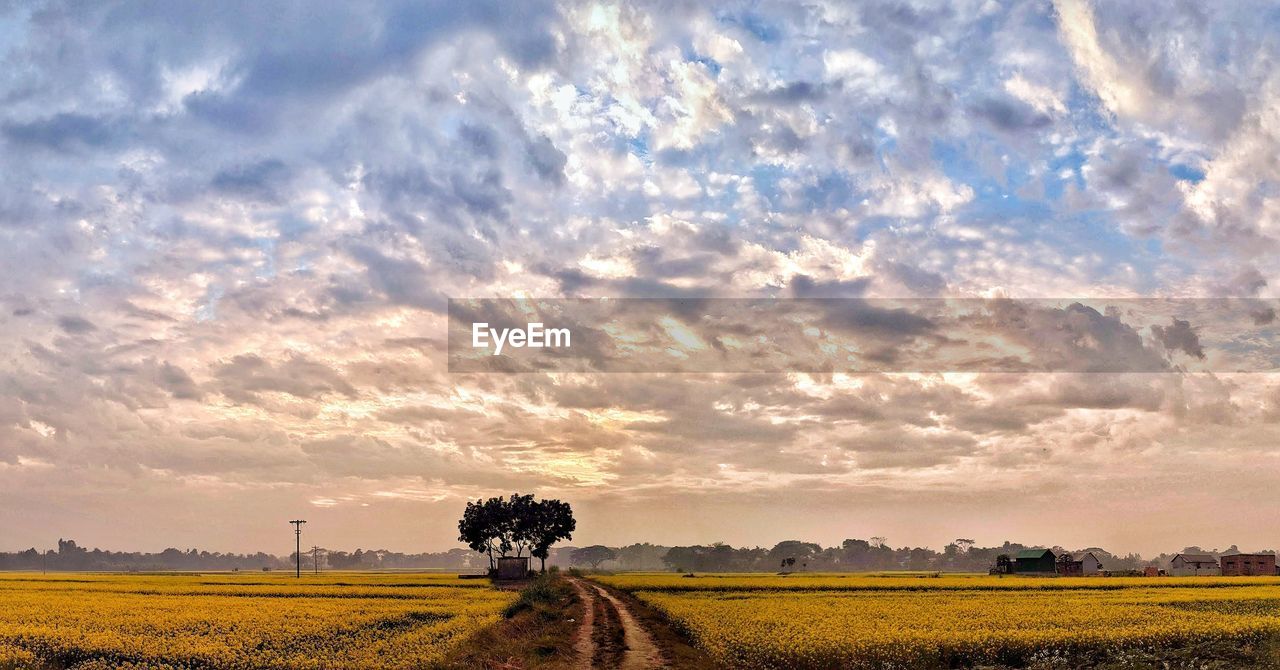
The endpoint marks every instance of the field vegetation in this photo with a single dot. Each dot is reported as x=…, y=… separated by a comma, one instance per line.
x=894, y=620
x=240, y=620
x=921, y=621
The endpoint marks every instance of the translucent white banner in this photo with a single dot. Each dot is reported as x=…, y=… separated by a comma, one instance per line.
x=863, y=335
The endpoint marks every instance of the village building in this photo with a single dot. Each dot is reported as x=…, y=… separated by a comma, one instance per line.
x=1035, y=561
x=513, y=567
x=1243, y=565
x=1193, y=565
x=1086, y=565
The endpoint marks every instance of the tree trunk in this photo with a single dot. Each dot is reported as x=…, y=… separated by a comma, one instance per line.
x=543, y=559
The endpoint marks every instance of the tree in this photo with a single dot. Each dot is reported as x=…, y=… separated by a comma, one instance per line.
x=643, y=556
x=521, y=517
x=550, y=522
x=593, y=555
x=683, y=559
x=794, y=549
x=521, y=523
x=484, y=528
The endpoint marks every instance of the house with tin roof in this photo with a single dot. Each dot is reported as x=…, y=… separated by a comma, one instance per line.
x=1035, y=561
x=1088, y=564
x=1194, y=565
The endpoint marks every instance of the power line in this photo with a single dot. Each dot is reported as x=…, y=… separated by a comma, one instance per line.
x=315, y=558
x=297, y=541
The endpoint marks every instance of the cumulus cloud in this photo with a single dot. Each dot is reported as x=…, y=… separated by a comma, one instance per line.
x=1179, y=336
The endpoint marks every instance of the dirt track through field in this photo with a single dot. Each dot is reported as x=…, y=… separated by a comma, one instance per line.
x=641, y=652
x=584, y=646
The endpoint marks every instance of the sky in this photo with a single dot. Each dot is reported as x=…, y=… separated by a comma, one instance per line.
x=229, y=233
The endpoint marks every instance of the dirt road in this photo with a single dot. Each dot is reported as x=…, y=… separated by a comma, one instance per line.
x=639, y=652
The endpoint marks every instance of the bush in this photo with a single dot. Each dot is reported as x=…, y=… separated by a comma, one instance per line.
x=545, y=589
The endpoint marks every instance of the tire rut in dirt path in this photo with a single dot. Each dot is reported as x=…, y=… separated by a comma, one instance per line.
x=641, y=653
x=584, y=646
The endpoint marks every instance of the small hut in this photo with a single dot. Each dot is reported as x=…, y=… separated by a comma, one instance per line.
x=513, y=567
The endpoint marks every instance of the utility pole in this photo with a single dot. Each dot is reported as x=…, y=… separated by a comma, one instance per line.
x=315, y=558
x=297, y=542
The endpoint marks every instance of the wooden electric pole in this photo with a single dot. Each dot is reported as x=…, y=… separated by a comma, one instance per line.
x=297, y=543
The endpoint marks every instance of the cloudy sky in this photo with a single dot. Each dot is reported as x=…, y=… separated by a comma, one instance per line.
x=228, y=234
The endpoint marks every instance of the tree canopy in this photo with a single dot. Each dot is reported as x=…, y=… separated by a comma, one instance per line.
x=593, y=555
x=519, y=525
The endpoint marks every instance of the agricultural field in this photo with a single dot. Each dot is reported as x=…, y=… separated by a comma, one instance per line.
x=239, y=620
x=851, y=621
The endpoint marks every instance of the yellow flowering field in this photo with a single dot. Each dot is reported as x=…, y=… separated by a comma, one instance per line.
x=842, y=621
x=241, y=620
x=852, y=581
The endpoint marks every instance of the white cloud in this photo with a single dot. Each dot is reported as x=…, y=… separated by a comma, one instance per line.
x=1119, y=87
x=1041, y=98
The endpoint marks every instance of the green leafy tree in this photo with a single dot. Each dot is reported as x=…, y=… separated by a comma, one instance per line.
x=500, y=526
x=593, y=555
x=484, y=528
x=550, y=522
x=521, y=518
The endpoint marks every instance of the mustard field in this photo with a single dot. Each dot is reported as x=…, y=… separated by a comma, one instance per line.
x=371, y=620
x=849, y=621
x=239, y=620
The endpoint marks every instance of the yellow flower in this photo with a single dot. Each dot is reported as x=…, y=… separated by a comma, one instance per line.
x=239, y=620
x=821, y=621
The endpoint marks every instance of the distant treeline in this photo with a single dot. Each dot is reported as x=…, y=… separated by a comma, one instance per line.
x=792, y=555
x=70, y=556
x=852, y=555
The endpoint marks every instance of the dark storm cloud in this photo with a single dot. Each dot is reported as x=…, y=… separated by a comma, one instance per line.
x=1179, y=336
